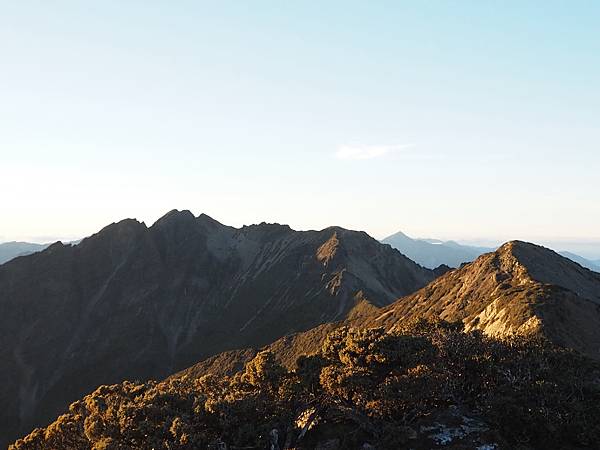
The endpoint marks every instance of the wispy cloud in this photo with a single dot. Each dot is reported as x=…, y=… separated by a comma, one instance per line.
x=354, y=151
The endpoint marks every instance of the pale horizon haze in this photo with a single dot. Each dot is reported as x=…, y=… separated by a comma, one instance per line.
x=453, y=120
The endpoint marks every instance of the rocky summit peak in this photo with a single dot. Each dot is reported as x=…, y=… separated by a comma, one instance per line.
x=125, y=230
x=175, y=216
x=546, y=266
x=524, y=250
x=520, y=288
x=125, y=224
x=207, y=221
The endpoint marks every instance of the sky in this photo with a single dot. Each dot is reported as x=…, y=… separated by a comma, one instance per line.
x=456, y=120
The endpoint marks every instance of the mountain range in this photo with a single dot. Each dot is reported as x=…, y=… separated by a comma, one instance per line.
x=430, y=253
x=434, y=252
x=511, y=300
x=592, y=265
x=11, y=250
x=138, y=302
x=189, y=297
x=520, y=289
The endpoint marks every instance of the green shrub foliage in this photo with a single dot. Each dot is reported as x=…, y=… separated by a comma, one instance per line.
x=363, y=386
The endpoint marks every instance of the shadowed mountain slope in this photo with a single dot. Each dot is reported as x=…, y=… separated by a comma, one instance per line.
x=521, y=288
x=136, y=302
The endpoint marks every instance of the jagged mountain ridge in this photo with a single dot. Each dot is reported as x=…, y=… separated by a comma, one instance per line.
x=141, y=302
x=521, y=288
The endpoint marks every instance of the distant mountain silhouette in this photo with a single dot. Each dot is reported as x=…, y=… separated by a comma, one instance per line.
x=10, y=250
x=135, y=302
x=432, y=252
x=592, y=265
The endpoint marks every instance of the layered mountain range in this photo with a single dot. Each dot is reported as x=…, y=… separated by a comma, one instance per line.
x=11, y=250
x=588, y=264
x=138, y=302
x=514, y=383
x=432, y=252
x=520, y=289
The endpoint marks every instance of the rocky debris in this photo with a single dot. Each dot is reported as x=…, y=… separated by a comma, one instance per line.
x=453, y=427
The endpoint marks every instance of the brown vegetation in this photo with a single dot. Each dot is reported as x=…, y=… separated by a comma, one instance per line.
x=364, y=386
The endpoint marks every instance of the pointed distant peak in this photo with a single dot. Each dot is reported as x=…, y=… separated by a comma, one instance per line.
x=206, y=217
x=175, y=216
x=125, y=224
x=174, y=213
x=397, y=235
x=123, y=230
x=206, y=220
x=210, y=225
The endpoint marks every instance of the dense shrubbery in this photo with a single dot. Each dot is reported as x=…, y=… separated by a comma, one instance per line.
x=363, y=386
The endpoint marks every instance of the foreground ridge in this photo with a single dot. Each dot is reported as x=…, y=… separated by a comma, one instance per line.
x=423, y=386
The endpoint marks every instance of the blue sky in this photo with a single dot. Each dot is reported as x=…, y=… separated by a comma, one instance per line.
x=464, y=120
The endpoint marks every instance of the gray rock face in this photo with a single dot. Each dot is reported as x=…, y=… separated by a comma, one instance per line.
x=136, y=302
